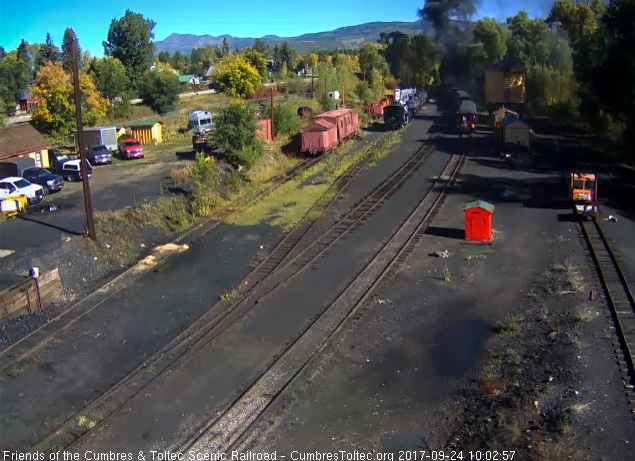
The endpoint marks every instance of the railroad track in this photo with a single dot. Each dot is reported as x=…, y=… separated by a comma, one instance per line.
x=224, y=431
x=30, y=344
x=265, y=279
x=619, y=296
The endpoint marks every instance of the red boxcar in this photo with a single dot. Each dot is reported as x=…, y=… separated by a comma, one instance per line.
x=319, y=137
x=328, y=130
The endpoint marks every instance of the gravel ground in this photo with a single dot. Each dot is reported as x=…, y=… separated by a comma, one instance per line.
x=131, y=325
x=508, y=354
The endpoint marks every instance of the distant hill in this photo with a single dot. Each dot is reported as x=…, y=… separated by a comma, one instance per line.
x=344, y=37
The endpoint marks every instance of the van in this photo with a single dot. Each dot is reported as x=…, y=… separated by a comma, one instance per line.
x=200, y=121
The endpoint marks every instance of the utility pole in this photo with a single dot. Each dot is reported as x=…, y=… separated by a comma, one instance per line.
x=343, y=96
x=272, y=114
x=80, y=143
x=312, y=77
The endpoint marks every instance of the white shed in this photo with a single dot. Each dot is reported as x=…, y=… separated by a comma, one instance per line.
x=334, y=94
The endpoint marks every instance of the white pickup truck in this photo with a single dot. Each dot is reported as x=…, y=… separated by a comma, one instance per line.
x=14, y=186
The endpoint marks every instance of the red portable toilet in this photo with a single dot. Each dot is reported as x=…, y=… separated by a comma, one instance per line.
x=478, y=221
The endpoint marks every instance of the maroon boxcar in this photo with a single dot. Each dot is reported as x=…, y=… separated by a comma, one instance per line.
x=319, y=137
x=328, y=130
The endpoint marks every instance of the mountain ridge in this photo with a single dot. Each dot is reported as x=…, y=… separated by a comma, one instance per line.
x=343, y=37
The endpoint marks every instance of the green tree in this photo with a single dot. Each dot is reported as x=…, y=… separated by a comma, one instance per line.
x=527, y=43
x=23, y=53
x=421, y=59
x=180, y=62
x=493, y=37
x=47, y=52
x=236, y=133
x=286, y=54
x=225, y=48
x=261, y=47
x=110, y=78
x=370, y=59
x=164, y=56
x=236, y=77
x=67, y=50
x=256, y=59
x=275, y=55
x=54, y=93
x=376, y=84
x=130, y=41
x=14, y=77
x=159, y=89
x=614, y=78
x=579, y=22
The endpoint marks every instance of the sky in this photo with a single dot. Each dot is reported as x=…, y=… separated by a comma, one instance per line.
x=239, y=18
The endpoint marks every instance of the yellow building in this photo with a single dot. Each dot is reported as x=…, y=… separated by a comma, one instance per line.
x=144, y=131
x=24, y=141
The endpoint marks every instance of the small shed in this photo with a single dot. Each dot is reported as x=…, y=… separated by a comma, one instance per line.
x=478, y=221
x=144, y=131
x=334, y=94
x=517, y=134
x=26, y=101
x=24, y=141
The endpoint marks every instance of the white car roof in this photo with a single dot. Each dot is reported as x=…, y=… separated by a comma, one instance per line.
x=11, y=179
x=74, y=162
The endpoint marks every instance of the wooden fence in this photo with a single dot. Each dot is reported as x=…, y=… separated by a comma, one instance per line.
x=29, y=295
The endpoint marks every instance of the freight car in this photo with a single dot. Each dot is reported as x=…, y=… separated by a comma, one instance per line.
x=504, y=85
x=328, y=130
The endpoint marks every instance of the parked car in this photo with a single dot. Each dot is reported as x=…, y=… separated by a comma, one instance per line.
x=99, y=155
x=71, y=170
x=131, y=148
x=14, y=186
x=11, y=111
x=57, y=159
x=50, y=182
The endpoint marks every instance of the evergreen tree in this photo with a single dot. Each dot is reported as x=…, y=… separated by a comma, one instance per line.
x=67, y=50
x=47, y=52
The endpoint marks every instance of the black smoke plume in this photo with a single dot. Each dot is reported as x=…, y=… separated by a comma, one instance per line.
x=441, y=14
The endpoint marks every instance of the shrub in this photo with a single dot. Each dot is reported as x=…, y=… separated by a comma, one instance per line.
x=235, y=127
x=248, y=155
x=204, y=178
x=286, y=120
x=326, y=102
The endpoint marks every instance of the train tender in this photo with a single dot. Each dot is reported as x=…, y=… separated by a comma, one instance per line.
x=466, y=116
x=328, y=130
x=396, y=116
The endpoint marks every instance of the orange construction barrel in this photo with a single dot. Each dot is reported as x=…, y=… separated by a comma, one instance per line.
x=478, y=221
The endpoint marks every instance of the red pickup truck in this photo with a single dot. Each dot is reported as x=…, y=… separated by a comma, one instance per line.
x=131, y=148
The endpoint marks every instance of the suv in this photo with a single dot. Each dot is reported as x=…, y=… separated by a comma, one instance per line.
x=98, y=154
x=71, y=170
x=130, y=148
x=14, y=186
x=50, y=182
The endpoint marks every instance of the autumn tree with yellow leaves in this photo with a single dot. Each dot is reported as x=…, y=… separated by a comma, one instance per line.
x=55, y=110
x=236, y=77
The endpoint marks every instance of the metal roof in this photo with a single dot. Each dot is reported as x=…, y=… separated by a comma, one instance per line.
x=185, y=78
x=479, y=204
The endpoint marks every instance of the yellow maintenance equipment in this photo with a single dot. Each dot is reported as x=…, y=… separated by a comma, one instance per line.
x=10, y=206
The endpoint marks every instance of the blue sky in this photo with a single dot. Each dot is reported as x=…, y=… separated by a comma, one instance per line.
x=243, y=18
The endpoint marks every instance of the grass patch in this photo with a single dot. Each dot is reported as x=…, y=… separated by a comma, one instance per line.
x=87, y=422
x=286, y=206
x=15, y=371
x=584, y=314
x=510, y=326
x=225, y=296
x=564, y=278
